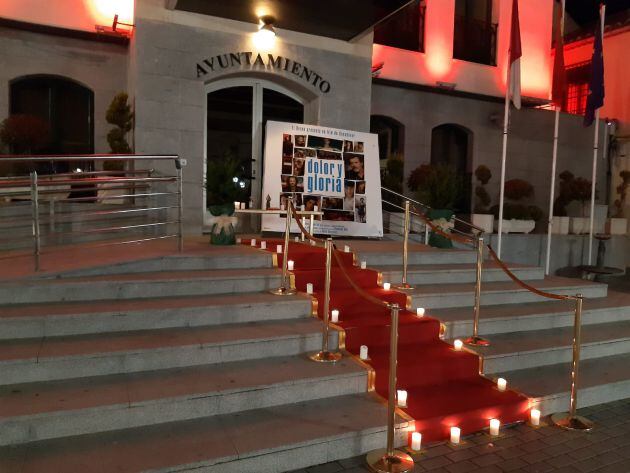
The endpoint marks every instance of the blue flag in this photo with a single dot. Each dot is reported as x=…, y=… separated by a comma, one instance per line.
x=595, y=97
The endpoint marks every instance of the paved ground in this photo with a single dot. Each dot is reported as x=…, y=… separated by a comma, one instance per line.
x=524, y=449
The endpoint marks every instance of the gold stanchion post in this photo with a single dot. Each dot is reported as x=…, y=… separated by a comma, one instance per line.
x=404, y=285
x=285, y=288
x=325, y=355
x=570, y=420
x=391, y=460
x=476, y=340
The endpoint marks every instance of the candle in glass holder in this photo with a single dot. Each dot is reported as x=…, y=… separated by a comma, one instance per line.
x=334, y=315
x=302, y=208
x=458, y=344
x=534, y=416
x=386, y=286
x=315, y=208
x=238, y=241
x=290, y=265
x=309, y=288
x=416, y=441
x=313, y=242
x=237, y=205
x=263, y=245
x=346, y=248
x=363, y=352
x=363, y=264
x=420, y=311
x=494, y=427
x=278, y=248
x=297, y=239
x=501, y=384
x=253, y=242
x=455, y=435
x=401, y=394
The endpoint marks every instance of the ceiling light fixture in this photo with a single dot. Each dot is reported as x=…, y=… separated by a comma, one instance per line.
x=265, y=37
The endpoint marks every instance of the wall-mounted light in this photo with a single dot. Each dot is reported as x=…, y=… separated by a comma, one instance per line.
x=114, y=30
x=265, y=37
x=446, y=85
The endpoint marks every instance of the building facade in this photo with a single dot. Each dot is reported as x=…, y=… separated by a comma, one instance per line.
x=201, y=86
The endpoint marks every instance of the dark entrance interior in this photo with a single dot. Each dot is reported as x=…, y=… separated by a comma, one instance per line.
x=451, y=145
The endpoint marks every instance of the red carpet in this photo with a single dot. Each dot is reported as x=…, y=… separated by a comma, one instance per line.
x=444, y=386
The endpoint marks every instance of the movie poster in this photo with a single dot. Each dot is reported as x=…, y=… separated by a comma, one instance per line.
x=328, y=169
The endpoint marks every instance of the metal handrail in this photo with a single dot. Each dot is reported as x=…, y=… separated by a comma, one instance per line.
x=413, y=201
x=135, y=184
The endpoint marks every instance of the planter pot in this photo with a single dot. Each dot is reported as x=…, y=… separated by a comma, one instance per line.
x=617, y=226
x=440, y=216
x=485, y=221
x=222, y=222
x=516, y=226
x=560, y=225
x=579, y=225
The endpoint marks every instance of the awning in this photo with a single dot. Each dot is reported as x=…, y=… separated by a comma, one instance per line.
x=341, y=19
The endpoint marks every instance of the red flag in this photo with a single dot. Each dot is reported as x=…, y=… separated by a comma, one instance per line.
x=559, y=87
x=515, y=54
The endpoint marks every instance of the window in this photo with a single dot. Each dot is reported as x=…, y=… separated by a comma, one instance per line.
x=475, y=35
x=405, y=29
x=578, y=78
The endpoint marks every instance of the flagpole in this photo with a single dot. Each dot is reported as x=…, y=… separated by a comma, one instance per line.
x=595, y=150
x=506, y=117
x=553, y=187
x=553, y=161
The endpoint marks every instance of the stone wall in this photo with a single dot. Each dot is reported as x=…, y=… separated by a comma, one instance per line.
x=529, y=146
x=99, y=66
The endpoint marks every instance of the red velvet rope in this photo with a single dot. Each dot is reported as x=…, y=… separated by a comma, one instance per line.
x=521, y=283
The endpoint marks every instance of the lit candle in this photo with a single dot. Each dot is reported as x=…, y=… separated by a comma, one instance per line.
x=238, y=240
x=534, y=417
x=315, y=208
x=253, y=242
x=363, y=264
x=386, y=286
x=313, y=242
x=346, y=248
x=416, y=441
x=401, y=394
x=494, y=427
x=335, y=315
x=281, y=206
x=302, y=208
x=420, y=311
x=501, y=384
x=237, y=205
x=458, y=344
x=297, y=239
x=263, y=245
x=455, y=434
x=243, y=205
x=290, y=265
x=363, y=353
x=278, y=248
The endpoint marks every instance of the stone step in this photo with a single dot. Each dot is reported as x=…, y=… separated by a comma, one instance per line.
x=521, y=350
x=509, y=318
x=47, y=359
x=439, y=296
x=269, y=440
x=86, y=317
x=601, y=380
x=140, y=285
x=43, y=411
x=234, y=257
x=389, y=253
x=458, y=273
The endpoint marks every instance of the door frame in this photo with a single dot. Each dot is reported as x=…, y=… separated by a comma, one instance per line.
x=257, y=85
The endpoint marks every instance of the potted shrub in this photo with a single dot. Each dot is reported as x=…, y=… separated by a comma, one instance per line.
x=23, y=134
x=437, y=186
x=120, y=115
x=225, y=184
x=580, y=191
x=518, y=217
x=482, y=216
x=618, y=225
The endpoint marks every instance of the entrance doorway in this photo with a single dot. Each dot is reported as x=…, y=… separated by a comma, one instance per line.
x=451, y=145
x=237, y=112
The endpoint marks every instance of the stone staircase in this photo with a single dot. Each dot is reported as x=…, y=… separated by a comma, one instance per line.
x=177, y=363
x=531, y=337
x=186, y=363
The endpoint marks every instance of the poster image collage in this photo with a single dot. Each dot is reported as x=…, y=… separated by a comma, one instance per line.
x=295, y=150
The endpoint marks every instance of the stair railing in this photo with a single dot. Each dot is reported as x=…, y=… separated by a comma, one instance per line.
x=131, y=186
